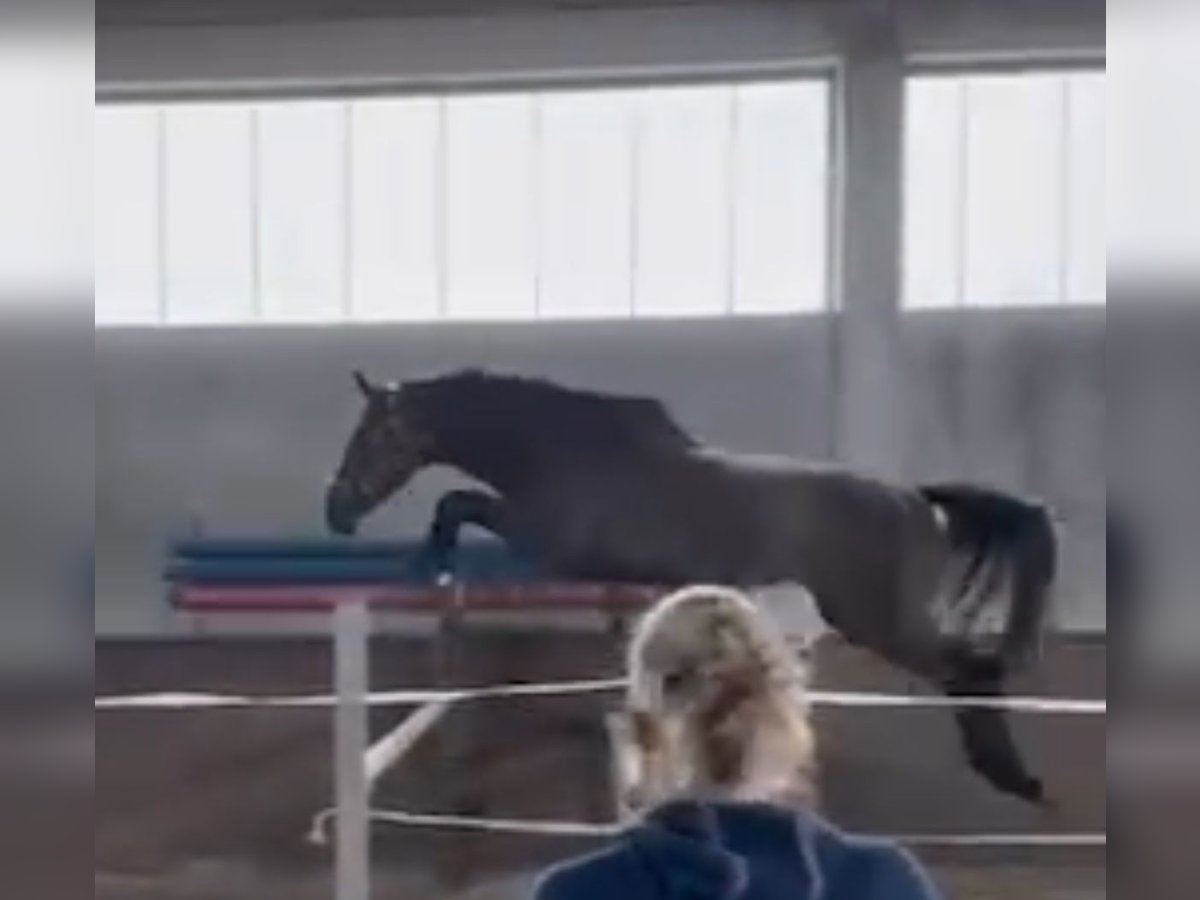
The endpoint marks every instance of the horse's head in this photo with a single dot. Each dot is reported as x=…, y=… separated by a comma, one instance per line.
x=385, y=450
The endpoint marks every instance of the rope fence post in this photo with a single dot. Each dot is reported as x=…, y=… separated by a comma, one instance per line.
x=351, y=623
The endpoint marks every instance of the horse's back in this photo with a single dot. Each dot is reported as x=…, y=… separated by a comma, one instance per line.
x=750, y=520
x=814, y=522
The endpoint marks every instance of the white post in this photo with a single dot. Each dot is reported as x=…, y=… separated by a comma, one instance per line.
x=393, y=746
x=350, y=736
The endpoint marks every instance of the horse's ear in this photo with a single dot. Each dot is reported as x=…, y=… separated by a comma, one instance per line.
x=365, y=387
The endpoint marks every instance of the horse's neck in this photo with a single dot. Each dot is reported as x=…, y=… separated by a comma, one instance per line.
x=514, y=459
x=496, y=461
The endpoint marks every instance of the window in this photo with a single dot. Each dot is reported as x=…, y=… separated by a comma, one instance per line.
x=300, y=201
x=393, y=238
x=674, y=201
x=587, y=226
x=1004, y=190
x=490, y=225
x=127, y=235
x=207, y=233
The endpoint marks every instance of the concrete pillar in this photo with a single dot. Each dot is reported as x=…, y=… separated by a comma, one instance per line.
x=868, y=148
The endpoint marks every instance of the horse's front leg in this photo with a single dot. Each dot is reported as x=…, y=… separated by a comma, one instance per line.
x=454, y=510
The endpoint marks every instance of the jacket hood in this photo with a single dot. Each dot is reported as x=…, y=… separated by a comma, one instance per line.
x=698, y=851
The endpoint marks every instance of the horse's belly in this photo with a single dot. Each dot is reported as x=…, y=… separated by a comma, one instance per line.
x=645, y=529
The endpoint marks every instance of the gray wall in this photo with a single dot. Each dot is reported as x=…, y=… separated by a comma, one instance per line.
x=235, y=431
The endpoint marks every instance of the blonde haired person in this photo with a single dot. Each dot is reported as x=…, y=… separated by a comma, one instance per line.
x=720, y=770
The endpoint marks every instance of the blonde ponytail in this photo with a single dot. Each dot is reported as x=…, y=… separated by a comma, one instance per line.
x=720, y=702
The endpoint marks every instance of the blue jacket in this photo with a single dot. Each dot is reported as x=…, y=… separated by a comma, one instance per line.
x=693, y=851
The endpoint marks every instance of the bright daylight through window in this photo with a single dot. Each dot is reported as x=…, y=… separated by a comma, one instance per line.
x=679, y=201
x=1004, y=190
x=676, y=201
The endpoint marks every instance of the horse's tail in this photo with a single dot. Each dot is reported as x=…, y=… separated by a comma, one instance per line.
x=1009, y=547
x=1005, y=543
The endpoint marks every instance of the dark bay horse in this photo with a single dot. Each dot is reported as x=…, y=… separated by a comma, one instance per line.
x=609, y=488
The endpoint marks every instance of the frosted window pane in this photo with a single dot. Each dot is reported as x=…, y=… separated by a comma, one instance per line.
x=683, y=226
x=394, y=243
x=490, y=208
x=1014, y=190
x=781, y=183
x=933, y=193
x=1004, y=190
x=610, y=203
x=208, y=214
x=586, y=204
x=126, y=223
x=301, y=174
x=1087, y=246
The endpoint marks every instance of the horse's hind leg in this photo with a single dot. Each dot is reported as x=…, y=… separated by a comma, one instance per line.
x=961, y=672
x=987, y=738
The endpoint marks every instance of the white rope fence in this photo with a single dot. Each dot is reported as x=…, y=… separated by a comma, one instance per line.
x=432, y=706
x=423, y=697
x=598, y=830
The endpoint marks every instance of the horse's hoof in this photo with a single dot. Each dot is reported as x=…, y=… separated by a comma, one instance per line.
x=444, y=579
x=1034, y=792
x=1049, y=805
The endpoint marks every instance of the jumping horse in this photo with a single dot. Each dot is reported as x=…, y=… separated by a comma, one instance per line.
x=610, y=488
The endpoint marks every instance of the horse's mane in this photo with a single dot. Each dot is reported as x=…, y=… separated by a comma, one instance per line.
x=477, y=405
